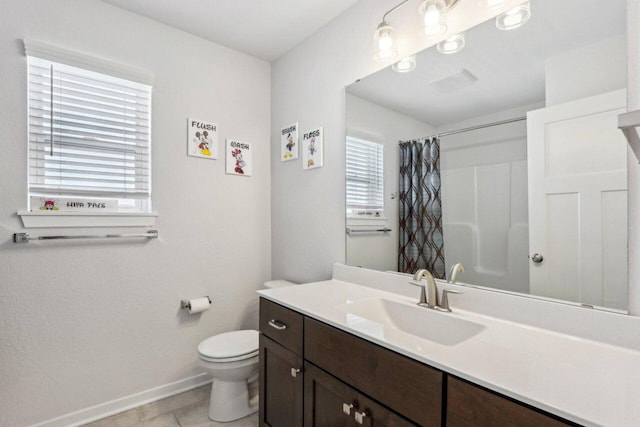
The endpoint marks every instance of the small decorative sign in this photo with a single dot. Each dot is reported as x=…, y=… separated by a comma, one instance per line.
x=239, y=158
x=202, y=139
x=312, y=148
x=63, y=204
x=289, y=142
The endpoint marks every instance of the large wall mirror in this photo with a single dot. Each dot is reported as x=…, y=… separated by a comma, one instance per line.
x=504, y=157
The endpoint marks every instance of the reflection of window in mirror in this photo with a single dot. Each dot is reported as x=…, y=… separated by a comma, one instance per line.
x=365, y=179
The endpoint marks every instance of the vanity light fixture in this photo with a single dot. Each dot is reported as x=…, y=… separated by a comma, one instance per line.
x=434, y=17
x=405, y=64
x=452, y=44
x=514, y=18
x=385, y=45
x=386, y=49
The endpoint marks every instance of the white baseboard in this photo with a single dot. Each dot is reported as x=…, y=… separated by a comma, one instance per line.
x=122, y=404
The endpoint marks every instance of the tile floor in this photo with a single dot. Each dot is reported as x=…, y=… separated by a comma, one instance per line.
x=188, y=409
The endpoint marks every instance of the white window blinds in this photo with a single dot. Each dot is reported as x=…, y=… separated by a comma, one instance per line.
x=365, y=178
x=89, y=133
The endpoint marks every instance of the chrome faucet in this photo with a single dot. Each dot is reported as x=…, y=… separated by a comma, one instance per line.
x=455, y=269
x=429, y=292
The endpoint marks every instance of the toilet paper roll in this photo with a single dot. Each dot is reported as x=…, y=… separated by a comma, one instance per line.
x=198, y=305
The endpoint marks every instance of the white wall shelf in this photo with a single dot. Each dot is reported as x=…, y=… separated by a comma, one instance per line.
x=629, y=123
x=76, y=219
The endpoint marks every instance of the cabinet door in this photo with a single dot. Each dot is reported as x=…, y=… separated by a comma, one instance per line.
x=469, y=405
x=329, y=402
x=281, y=386
x=371, y=414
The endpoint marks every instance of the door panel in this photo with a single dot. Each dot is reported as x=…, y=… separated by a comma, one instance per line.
x=577, y=201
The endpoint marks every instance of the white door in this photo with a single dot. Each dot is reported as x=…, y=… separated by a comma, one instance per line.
x=578, y=201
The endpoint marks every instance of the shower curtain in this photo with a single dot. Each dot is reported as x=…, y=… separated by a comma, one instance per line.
x=421, y=236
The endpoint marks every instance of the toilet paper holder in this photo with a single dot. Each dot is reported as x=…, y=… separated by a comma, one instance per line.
x=186, y=304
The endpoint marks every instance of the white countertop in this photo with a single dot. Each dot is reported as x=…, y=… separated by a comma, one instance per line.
x=588, y=382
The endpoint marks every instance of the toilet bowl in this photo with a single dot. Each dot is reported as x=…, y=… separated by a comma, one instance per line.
x=231, y=358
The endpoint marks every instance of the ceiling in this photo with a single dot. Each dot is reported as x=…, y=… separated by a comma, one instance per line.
x=265, y=29
x=509, y=65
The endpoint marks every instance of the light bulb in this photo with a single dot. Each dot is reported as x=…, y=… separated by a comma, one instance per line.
x=385, y=42
x=385, y=46
x=432, y=15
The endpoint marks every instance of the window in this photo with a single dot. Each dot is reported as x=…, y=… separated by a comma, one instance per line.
x=365, y=179
x=89, y=139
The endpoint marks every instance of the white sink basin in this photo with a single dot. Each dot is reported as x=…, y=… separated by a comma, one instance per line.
x=442, y=328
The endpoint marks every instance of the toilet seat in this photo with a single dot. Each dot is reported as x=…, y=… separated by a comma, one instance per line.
x=229, y=359
x=229, y=346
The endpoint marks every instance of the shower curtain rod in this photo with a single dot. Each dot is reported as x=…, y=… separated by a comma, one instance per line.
x=487, y=125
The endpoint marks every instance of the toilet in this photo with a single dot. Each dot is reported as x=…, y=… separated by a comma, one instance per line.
x=231, y=358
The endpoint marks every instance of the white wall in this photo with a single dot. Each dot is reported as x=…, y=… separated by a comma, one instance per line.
x=308, y=86
x=591, y=70
x=84, y=323
x=373, y=122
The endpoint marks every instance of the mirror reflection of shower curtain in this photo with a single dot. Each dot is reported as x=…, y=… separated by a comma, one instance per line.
x=421, y=236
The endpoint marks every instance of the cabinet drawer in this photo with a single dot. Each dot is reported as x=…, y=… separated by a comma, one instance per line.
x=281, y=325
x=470, y=405
x=407, y=386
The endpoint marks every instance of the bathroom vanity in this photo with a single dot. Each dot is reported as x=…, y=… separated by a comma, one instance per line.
x=337, y=353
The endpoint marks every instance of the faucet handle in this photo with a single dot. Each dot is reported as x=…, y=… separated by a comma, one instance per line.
x=423, y=294
x=444, y=304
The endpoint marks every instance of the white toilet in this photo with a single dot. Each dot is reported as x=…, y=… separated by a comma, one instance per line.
x=231, y=359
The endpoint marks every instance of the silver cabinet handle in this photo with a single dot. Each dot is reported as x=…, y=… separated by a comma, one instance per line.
x=537, y=258
x=276, y=324
x=360, y=416
x=295, y=372
x=346, y=408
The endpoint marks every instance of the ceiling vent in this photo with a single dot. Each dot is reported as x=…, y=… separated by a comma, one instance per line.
x=454, y=82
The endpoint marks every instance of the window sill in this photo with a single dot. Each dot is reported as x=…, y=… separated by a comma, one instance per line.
x=374, y=222
x=76, y=219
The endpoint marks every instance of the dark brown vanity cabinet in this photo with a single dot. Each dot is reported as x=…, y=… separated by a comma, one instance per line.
x=470, y=405
x=329, y=402
x=315, y=375
x=281, y=366
x=404, y=385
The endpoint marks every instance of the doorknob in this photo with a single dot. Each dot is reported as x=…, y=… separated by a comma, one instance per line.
x=537, y=258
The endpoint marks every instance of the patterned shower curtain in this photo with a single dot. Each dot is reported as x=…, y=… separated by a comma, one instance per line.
x=421, y=237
